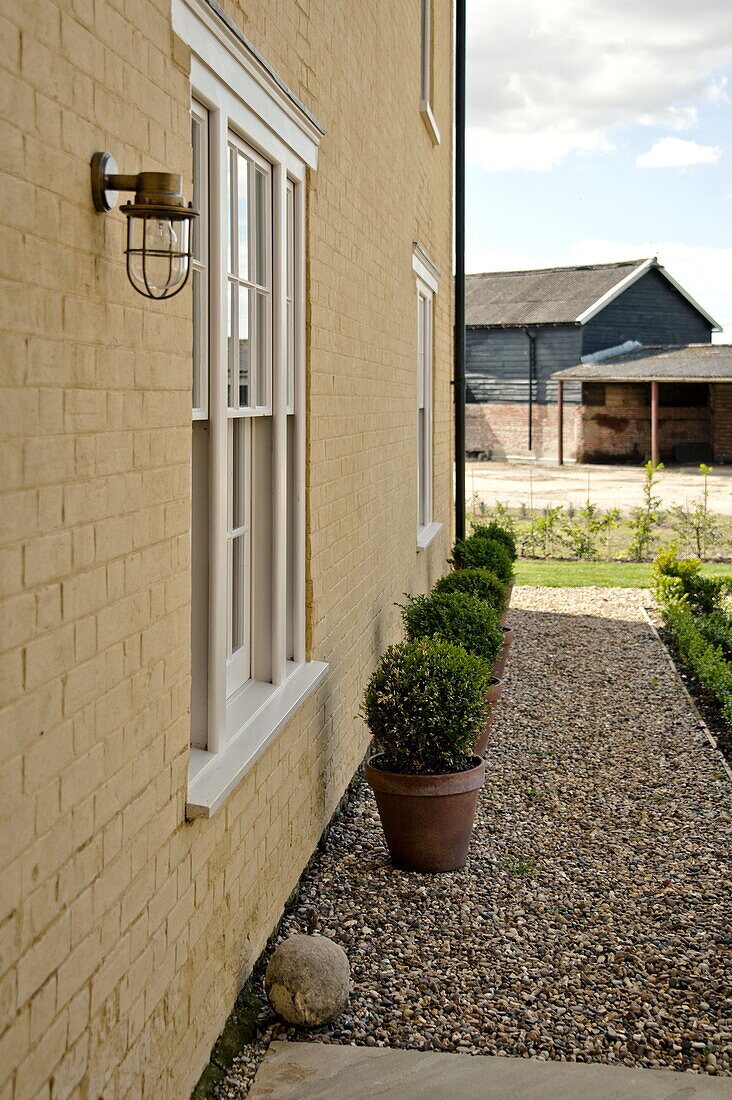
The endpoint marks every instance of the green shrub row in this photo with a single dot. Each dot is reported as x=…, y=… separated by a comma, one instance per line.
x=707, y=660
x=701, y=627
x=717, y=629
x=426, y=702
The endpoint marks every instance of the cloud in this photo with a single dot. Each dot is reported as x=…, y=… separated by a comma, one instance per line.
x=573, y=72
x=676, y=118
x=670, y=152
x=530, y=152
x=705, y=272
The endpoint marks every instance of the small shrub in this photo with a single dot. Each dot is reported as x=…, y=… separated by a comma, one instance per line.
x=679, y=579
x=455, y=617
x=476, y=582
x=425, y=706
x=498, y=533
x=476, y=552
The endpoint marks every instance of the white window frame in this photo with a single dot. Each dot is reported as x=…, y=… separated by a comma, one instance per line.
x=427, y=284
x=241, y=95
x=425, y=96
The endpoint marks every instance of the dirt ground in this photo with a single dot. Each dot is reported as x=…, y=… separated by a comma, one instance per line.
x=514, y=484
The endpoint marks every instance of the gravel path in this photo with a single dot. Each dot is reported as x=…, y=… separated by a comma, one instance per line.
x=593, y=921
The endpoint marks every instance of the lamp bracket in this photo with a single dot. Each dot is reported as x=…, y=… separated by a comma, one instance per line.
x=105, y=192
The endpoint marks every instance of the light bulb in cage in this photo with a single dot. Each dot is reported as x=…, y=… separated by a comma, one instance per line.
x=159, y=238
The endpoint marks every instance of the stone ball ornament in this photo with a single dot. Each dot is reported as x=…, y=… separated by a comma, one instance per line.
x=308, y=980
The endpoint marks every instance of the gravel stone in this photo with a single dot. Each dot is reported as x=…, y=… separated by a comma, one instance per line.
x=593, y=919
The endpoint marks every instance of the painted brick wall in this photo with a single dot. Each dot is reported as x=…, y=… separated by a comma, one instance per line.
x=124, y=932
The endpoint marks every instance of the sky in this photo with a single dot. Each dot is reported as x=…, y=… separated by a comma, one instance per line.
x=601, y=130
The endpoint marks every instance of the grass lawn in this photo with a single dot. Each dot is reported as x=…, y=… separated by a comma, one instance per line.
x=607, y=574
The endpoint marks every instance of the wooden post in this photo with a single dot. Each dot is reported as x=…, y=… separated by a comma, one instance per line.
x=560, y=423
x=654, y=423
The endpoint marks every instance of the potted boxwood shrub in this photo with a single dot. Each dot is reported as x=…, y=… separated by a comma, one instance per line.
x=425, y=707
x=455, y=617
x=476, y=551
x=470, y=622
x=495, y=531
x=477, y=582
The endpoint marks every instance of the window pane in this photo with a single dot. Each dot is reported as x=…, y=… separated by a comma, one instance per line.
x=421, y=315
x=290, y=296
x=242, y=214
x=421, y=473
x=239, y=473
x=260, y=335
x=260, y=231
x=196, y=137
x=243, y=363
x=231, y=367
x=230, y=222
x=197, y=338
x=240, y=593
x=239, y=531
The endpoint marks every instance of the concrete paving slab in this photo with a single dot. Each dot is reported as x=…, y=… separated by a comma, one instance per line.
x=325, y=1071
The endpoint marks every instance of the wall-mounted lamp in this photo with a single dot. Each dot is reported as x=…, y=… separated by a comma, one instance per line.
x=159, y=238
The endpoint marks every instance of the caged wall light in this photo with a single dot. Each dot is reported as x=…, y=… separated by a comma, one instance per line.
x=159, y=237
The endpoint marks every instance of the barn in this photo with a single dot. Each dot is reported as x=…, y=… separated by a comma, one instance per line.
x=525, y=326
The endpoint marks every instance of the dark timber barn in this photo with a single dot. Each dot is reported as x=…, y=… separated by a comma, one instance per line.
x=524, y=326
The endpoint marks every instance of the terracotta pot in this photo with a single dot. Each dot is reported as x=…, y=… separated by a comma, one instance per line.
x=491, y=699
x=500, y=666
x=494, y=691
x=507, y=604
x=427, y=819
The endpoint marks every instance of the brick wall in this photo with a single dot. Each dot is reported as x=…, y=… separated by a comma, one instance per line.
x=722, y=421
x=621, y=428
x=501, y=431
x=125, y=933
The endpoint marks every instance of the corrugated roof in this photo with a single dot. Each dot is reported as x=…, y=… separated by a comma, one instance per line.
x=667, y=363
x=552, y=295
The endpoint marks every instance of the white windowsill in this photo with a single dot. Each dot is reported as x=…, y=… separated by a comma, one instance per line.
x=213, y=776
x=426, y=534
x=429, y=120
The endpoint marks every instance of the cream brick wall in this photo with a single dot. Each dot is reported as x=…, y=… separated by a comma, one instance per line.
x=125, y=933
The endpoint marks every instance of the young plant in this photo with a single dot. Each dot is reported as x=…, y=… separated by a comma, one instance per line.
x=425, y=706
x=455, y=617
x=581, y=538
x=476, y=582
x=478, y=552
x=547, y=528
x=503, y=517
x=697, y=527
x=644, y=518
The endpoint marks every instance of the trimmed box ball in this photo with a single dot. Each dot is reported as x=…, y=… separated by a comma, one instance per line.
x=308, y=980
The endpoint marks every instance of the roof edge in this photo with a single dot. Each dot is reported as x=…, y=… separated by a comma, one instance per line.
x=633, y=277
x=716, y=327
x=616, y=290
